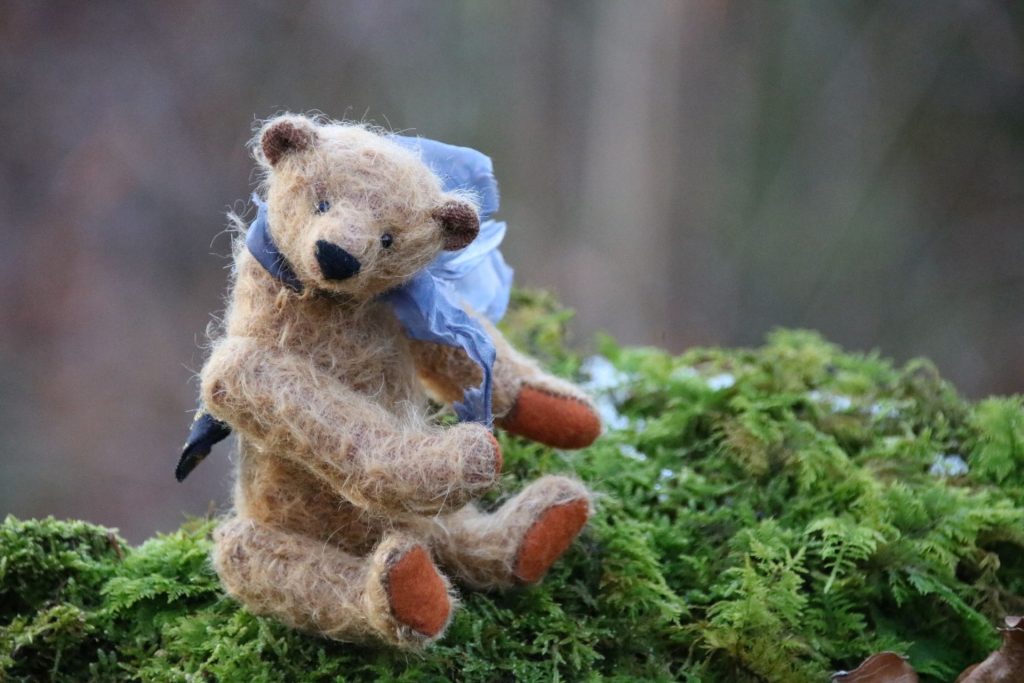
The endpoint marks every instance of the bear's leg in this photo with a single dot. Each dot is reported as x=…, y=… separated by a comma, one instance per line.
x=395, y=593
x=517, y=543
x=527, y=401
x=552, y=412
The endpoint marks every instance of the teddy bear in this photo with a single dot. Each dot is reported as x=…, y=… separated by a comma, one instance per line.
x=353, y=505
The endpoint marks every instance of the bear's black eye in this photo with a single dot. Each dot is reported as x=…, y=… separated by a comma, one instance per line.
x=323, y=206
x=386, y=240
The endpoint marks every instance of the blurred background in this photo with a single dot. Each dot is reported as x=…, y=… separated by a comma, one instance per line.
x=680, y=173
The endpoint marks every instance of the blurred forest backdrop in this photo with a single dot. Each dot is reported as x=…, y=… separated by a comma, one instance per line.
x=680, y=173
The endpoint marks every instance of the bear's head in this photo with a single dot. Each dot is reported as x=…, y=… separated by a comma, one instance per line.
x=353, y=212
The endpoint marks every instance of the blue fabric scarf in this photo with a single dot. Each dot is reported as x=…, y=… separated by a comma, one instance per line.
x=429, y=306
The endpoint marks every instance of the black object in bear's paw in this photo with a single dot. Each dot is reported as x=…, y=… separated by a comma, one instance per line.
x=205, y=432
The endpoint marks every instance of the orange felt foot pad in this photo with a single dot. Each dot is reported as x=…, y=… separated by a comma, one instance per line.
x=559, y=421
x=548, y=538
x=417, y=593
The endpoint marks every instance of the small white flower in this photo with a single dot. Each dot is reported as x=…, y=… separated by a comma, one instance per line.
x=684, y=372
x=837, y=403
x=607, y=384
x=631, y=452
x=610, y=415
x=720, y=381
x=604, y=376
x=948, y=466
x=880, y=409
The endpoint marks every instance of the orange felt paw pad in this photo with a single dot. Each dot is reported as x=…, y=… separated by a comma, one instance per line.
x=417, y=593
x=554, y=420
x=548, y=538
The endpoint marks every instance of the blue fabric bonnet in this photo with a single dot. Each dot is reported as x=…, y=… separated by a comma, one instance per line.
x=430, y=305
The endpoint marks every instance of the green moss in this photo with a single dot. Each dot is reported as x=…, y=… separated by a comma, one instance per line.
x=767, y=514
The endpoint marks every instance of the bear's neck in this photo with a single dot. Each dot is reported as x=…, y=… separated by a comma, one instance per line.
x=263, y=306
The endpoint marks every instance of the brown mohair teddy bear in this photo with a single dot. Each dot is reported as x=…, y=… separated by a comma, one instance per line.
x=349, y=499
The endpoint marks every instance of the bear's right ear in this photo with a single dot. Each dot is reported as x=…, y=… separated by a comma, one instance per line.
x=286, y=135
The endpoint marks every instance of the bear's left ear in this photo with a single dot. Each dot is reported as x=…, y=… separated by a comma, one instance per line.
x=459, y=224
x=286, y=135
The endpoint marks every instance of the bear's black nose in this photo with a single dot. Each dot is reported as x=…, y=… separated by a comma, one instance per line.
x=335, y=262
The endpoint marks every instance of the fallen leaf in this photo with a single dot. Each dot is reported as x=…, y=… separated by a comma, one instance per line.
x=1005, y=665
x=885, y=667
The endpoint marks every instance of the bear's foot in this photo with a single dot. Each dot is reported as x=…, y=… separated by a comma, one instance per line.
x=549, y=537
x=553, y=418
x=412, y=602
x=516, y=543
x=416, y=592
x=395, y=594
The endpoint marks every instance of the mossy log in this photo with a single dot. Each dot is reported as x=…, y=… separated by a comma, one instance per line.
x=766, y=514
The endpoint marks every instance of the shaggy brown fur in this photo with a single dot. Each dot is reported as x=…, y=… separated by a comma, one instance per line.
x=347, y=493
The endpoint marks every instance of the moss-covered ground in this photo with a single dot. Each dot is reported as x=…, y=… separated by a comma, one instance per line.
x=766, y=514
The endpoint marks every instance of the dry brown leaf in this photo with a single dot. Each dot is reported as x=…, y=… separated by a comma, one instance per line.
x=1005, y=665
x=885, y=667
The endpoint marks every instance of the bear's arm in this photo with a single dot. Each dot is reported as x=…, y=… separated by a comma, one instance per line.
x=526, y=400
x=293, y=410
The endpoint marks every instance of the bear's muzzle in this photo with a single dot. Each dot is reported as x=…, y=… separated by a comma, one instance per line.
x=335, y=263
